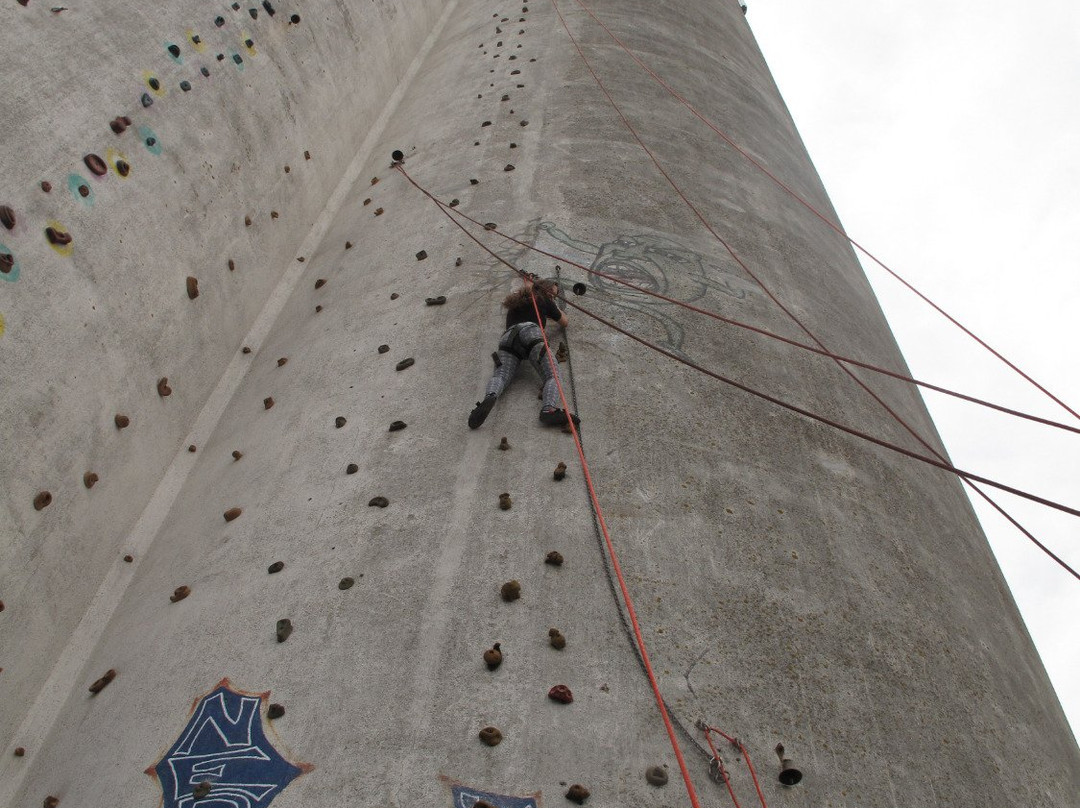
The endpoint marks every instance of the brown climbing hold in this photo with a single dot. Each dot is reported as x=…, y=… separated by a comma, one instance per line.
x=232, y=513
x=121, y=421
x=307, y=155
x=491, y=736
x=180, y=593
x=95, y=164
x=560, y=471
x=122, y=168
x=42, y=500
x=117, y=125
x=273, y=214
x=281, y=362
x=562, y=353
x=268, y=402
x=348, y=245
x=405, y=363
x=7, y=216
x=378, y=211
x=554, y=558
x=301, y=259
x=367, y=201
x=561, y=694
x=454, y=203
x=192, y=287
x=523, y=123
x=103, y=682
x=84, y=191
x=247, y=221
x=318, y=309
x=340, y=421
x=46, y=186
x=457, y=262
x=346, y=583
x=397, y=426
x=493, y=657
x=7, y=262
x=231, y=265
x=276, y=567
x=656, y=776
x=191, y=448
x=510, y=591
x=202, y=790
x=245, y=349
x=509, y=167
x=490, y=225
x=394, y=295
x=383, y=348
x=374, y=180
x=485, y=123
x=352, y=468
x=420, y=256
x=58, y=237
x=163, y=388
x=556, y=639
x=89, y=479
x=436, y=301
x=129, y=558
x=284, y=629
x=504, y=444
x=577, y=793
x=237, y=454
x=50, y=802
x=505, y=502
x=19, y=751
x=275, y=711
x=320, y=283
x=506, y=98
x=378, y=502
x=287, y=169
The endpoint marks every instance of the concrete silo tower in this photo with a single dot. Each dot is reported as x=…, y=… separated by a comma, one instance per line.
x=244, y=506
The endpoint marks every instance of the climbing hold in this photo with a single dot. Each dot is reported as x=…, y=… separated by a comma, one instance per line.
x=493, y=657
x=232, y=513
x=284, y=629
x=374, y=180
x=436, y=301
x=490, y=225
x=504, y=444
x=46, y=186
x=491, y=736
x=287, y=169
x=155, y=85
x=339, y=422
x=352, y=468
x=378, y=502
x=57, y=237
x=163, y=388
x=378, y=211
x=236, y=57
x=367, y=201
x=523, y=123
x=510, y=591
x=237, y=454
x=561, y=694
x=454, y=203
x=180, y=593
x=560, y=471
x=394, y=295
x=7, y=262
x=245, y=349
x=482, y=804
x=191, y=448
x=397, y=156
x=504, y=501
x=320, y=283
x=345, y=583
x=506, y=98
x=19, y=751
x=185, y=85
x=348, y=245
x=318, y=309
x=656, y=776
x=295, y=19
x=485, y=123
x=89, y=479
x=42, y=500
x=50, y=802
x=268, y=402
x=202, y=790
x=554, y=558
x=247, y=221
x=122, y=168
x=578, y=288
x=405, y=363
x=273, y=214
x=254, y=12
x=192, y=287
x=174, y=50
x=7, y=216
x=281, y=362
x=397, y=426
x=276, y=567
x=307, y=155
x=556, y=639
x=219, y=21
x=508, y=167
x=577, y=793
x=474, y=182
x=129, y=558
x=84, y=191
x=513, y=145
x=121, y=421
x=103, y=682
x=384, y=348
x=249, y=43
x=420, y=256
x=275, y=711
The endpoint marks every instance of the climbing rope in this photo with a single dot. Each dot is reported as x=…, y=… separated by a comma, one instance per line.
x=801, y=200
x=742, y=749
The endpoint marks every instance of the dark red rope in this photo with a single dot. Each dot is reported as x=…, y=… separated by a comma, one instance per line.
x=746, y=755
x=796, y=196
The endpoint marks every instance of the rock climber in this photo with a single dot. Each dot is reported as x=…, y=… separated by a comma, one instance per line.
x=523, y=340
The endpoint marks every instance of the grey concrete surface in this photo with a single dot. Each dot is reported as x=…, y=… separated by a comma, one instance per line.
x=794, y=584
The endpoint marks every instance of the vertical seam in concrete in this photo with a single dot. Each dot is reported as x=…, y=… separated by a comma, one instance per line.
x=62, y=681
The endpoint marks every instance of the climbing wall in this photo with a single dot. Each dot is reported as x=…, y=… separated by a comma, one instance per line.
x=299, y=577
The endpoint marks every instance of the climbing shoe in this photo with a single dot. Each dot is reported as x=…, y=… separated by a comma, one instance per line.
x=481, y=410
x=549, y=416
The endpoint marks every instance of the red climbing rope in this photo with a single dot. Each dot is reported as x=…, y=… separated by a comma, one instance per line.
x=967, y=477
x=762, y=331
x=742, y=748
x=797, y=197
x=631, y=613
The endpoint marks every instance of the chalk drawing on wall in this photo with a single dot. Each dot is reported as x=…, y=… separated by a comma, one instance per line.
x=224, y=744
x=81, y=189
x=466, y=797
x=149, y=139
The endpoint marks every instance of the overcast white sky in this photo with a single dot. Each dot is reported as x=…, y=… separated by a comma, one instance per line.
x=948, y=136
